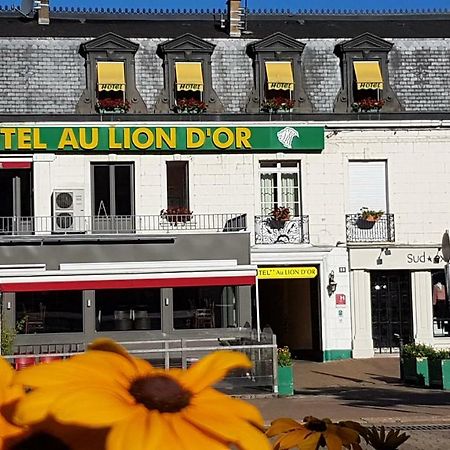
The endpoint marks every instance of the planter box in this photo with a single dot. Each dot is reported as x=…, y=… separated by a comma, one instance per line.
x=285, y=381
x=439, y=371
x=415, y=371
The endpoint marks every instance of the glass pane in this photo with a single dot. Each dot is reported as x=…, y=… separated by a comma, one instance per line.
x=122, y=190
x=128, y=309
x=268, y=192
x=204, y=307
x=289, y=192
x=102, y=195
x=177, y=185
x=49, y=312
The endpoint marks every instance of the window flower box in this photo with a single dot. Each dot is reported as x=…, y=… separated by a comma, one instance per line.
x=112, y=106
x=176, y=215
x=190, y=106
x=368, y=217
x=277, y=105
x=278, y=217
x=368, y=105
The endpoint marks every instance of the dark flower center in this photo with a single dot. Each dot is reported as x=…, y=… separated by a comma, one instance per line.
x=160, y=392
x=314, y=424
x=41, y=441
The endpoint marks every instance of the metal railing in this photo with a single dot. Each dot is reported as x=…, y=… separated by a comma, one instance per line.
x=66, y=223
x=182, y=353
x=271, y=231
x=360, y=230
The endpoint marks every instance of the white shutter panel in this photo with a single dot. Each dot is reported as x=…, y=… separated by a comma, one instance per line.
x=367, y=185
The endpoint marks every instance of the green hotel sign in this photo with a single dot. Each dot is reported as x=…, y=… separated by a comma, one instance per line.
x=163, y=138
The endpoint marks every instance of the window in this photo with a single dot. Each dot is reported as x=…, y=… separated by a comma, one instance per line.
x=367, y=186
x=280, y=186
x=187, y=76
x=278, y=81
x=365, y=76
x=50, y=312
x=113, y=197
x=110, y=77
x=177, y=185
x=441, y=307
x=128, y=309
x=204, y=307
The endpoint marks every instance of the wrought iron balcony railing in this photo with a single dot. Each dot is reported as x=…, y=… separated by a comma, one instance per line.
x=271, y=231
x=360, y=230
x=65, y=223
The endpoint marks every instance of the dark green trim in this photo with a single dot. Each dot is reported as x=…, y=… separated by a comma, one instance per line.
x=334, y=355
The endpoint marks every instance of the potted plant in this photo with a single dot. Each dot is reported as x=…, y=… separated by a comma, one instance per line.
x=439, y=369
x=368, y=217
x=176, y=215
x=414, y=363
x=279, y=216
x=276, y=104
x=285, y=372
x=190, y=106
x=367, y=105
x=112, y=105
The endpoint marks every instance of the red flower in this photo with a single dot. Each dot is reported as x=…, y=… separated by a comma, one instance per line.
x=278, y=103
x=190, y=105
x=111, y=104
x=366, y=104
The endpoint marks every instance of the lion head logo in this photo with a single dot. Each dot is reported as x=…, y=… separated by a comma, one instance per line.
x=287, y=135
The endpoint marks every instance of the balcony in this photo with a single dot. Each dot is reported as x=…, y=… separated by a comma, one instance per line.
x=359, y=230
x=271, y=231
x=65, y=223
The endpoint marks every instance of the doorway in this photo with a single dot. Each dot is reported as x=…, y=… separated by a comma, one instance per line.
x=16, y=207
x=391, y=310
x=291, y=308
x=113, y=197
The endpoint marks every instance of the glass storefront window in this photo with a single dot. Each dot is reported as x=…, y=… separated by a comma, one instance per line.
x=50, y=312
x=441, y=310
x=204, y=307
x=128, y=309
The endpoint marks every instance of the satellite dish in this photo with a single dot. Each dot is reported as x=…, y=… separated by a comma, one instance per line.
x=446, y=246
x=27, y=7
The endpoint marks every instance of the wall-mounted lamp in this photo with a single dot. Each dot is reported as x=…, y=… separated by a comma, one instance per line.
x=380, y=259
x=387, y=251
x=332, y=285
x=437, y=258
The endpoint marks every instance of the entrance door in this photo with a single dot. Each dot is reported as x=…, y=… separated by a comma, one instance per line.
x=391, y=309
x=113, y=202
x=16, y=204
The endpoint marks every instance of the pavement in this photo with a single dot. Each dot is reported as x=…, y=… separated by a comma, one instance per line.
x=368, y=391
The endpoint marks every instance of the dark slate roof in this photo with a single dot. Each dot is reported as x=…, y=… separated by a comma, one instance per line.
x=87, y=23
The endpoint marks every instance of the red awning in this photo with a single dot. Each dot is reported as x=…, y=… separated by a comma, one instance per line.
x=70, y=284
x=15, y=165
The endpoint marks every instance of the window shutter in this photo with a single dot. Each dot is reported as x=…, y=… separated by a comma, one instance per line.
x=367, y=185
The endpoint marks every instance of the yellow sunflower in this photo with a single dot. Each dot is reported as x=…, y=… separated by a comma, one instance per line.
x=146, y=408
x=312, y=433
x=9, y=394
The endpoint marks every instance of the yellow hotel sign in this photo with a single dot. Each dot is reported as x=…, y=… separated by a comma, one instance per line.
x=287, y=272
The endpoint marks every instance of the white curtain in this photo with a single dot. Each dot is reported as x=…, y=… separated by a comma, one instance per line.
x=267, y=193
x=289, y=192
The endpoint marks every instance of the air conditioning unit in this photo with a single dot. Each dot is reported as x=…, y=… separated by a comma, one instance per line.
x=68, y=211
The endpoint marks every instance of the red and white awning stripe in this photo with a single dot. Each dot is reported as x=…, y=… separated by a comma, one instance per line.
x=66, y=282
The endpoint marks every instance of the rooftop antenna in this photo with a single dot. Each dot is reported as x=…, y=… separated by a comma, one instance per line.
x=28, y=7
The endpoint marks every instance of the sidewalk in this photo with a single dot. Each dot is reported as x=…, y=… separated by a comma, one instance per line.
x=367, y=390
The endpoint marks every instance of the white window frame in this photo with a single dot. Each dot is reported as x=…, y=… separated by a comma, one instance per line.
x=278, y=170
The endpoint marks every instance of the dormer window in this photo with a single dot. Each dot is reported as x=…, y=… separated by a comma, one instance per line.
x=110, y=77
x=187, y=77
x=278, y=78
x=365, y=76
x=111, y=87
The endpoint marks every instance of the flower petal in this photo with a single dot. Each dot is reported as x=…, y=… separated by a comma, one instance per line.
x=347, y=435
x=6, y=373
x=143, y=430
x=212, y=368
x=93, y=367
x=282, y=425
x=333, y=441
x=226, y=427
x=191, y=437
x=92, y=407
x=295, y=438
x=310, y=443
x=233, y=406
